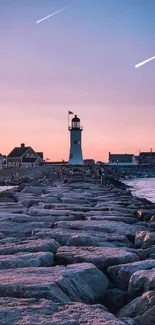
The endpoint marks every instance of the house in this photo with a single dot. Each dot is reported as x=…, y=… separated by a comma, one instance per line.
x=147, y=158
x=2, y=160
x=122, y=159
x=89, y=162
x=24, y=157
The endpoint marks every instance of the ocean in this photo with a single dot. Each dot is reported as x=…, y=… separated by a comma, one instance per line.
x=4, y=188
x=143, y=187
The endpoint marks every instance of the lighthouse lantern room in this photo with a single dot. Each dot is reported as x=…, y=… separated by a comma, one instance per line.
x=75, y=157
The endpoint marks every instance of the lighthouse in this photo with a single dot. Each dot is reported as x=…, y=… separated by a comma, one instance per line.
x=75, y=156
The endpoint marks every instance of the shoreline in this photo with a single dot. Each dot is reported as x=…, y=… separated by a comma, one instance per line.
x=76, y=244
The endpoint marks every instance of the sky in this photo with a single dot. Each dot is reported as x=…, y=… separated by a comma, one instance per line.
x=83, y=60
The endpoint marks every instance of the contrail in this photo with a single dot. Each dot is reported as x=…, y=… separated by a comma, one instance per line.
x=54, y=13
x=144, y=62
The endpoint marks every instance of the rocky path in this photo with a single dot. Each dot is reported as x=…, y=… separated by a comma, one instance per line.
x=76, y=253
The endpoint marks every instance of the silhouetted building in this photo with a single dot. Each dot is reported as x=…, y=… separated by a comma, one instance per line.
x=89, y=162
x=122, y=159
x=23, y=157
x=147, y=158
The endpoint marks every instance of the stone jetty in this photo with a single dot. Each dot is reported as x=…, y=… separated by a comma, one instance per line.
x=76, y=252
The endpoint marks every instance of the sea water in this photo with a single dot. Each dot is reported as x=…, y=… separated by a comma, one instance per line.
x=144, y=188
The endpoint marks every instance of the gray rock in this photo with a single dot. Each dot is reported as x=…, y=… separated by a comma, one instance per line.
x=140, y=282
x=141, y=309
x=44, y=312
x=116, y=299
x=105, y=226
x=21, y=260
x=79, y=282
x=120, y=274
x=144, y=239
x=70, y=237
x=102, y=257
x=33, y=245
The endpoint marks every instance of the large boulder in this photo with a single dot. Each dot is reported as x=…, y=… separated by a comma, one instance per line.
x=110, y=227
x=120, y=274
x=140, y=282
x=79, y=282
x=141, y=309
x=44, y=312
x=144, y=239
x=71, y=237
x=102, y=257
x=33, y=246
x=21, y=260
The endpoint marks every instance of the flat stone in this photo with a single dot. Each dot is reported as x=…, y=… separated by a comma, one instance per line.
x=79, y=282
x=11, y=228
x=104, y=226
x=70, y=237
x=102, y=257
x=41, y=245
x=120, y=274
x=45, y=312
x=21, y=260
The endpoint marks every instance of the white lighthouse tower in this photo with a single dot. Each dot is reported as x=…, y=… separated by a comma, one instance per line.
x=75, y=157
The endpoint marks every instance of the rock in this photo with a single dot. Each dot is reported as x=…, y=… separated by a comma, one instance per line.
x=45, y=312
x=7, y=196
x=69, y=237
x=11, y=228
x=36, y=190
x=33, y=246
x=29, y=202
x=140, y=282
x=116, y=299
x=141, y=309
x=79, y=282
x=120, y=274
x=105, y=226
x=20, y=260
x=144, y=239
x=102, y=257
x=49, y=212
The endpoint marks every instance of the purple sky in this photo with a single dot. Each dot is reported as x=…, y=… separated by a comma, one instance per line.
x=82, y=60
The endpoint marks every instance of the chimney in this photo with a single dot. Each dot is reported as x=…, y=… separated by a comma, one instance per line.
x=22, y=145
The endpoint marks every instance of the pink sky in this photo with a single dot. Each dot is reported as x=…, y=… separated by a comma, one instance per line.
x=80, y=60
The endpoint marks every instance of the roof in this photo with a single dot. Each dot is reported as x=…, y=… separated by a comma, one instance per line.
x=75, y=119
x=17, y=152
x=147, y=153
x=40, y=154
x=121, y=157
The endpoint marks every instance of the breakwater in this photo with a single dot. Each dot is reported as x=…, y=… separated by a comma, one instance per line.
x=76, y=252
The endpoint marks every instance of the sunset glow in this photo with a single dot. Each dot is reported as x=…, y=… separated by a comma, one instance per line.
x=81, y=60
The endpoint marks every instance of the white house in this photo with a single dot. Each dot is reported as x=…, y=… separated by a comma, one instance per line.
x=122, y=160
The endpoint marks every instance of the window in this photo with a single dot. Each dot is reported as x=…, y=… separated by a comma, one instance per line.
x=9, y=164
x=17, y=164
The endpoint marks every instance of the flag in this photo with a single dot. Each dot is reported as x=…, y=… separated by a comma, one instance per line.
x=69, y=112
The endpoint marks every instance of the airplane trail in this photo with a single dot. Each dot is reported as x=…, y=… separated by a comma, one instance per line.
x=144, y=62
x=53, y=14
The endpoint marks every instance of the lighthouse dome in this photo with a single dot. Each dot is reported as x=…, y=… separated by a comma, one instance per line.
x=75, y=119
